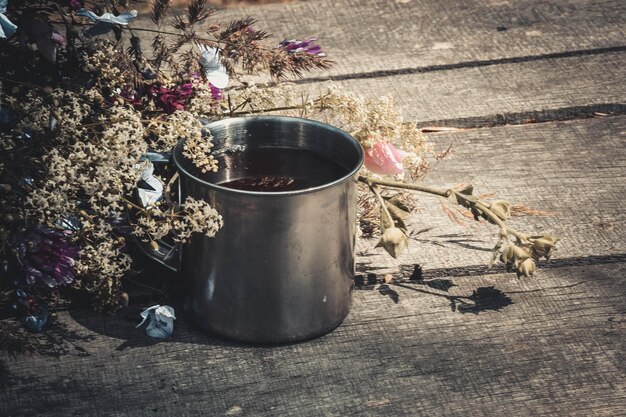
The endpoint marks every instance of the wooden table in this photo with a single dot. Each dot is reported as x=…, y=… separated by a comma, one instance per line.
x=540, y=87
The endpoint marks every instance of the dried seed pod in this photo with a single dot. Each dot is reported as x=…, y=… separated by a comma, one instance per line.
x=527, y=267
x=543, y=246
x=394, y=241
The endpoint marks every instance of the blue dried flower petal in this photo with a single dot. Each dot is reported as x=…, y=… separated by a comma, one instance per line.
x=36, y=322
x=160, y=321
x=121, y=19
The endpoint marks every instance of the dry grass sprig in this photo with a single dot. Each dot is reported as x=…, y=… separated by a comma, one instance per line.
x=159, y=10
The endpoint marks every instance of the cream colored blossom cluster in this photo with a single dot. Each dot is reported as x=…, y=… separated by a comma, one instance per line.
x=197, y=149
x=202, y=104
x=98, y=167
x=102, y=264
x=167, y=131
x=88, y=179
x=104, y=63
x=199, y=217
x=193, y=216
x=369, y=120
x=35, y=114
x=70, y=111
x=153, y=224
x=372, y=120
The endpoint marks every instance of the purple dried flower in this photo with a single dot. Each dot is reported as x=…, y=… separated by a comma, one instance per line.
x=76, y=4
x=308, y=46
x=172, y=99
x=216, y=93
x=47, y=256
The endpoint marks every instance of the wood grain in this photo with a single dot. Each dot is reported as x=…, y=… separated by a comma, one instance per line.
x=479, y=343
x=489, y=94
x=447, y=64
x=463, y=340
x=373, y=35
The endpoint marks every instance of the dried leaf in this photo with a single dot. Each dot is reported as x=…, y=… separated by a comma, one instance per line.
x=501, y=208
x=464, y=188
x=451, y=214
x=462, y=199
x=385, y=222
x=397, y=212
x=519, y=210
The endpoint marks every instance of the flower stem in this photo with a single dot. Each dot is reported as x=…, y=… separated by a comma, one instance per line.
x=504, y=229
x=383, y=207
x=398, y=184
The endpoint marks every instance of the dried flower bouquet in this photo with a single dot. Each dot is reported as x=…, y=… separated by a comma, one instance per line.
x=86, y=109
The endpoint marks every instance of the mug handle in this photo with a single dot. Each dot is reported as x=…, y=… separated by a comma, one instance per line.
x=167, y=254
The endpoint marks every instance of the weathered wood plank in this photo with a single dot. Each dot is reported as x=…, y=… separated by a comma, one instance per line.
x=486, y=95
x=538, y=68
x=463, y=344
x=556, y=350
x=480, y=92
x=374, y=35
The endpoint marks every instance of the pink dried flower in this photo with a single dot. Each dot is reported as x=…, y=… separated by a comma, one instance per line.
x=58, y=38
x=383, y=158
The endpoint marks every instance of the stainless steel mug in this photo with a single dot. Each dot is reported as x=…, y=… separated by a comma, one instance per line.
x=281, y=269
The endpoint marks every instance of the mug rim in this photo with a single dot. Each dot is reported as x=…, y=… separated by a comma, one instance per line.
x=177, y=153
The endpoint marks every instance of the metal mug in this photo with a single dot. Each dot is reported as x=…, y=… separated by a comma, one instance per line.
x=281, y=269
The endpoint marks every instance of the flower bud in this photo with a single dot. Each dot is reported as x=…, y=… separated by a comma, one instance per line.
x=520, y=253
x=543, y=246
x=507, y=254
x=514, y=254
x=124, y=299
x=527, y=267
x=394, y=241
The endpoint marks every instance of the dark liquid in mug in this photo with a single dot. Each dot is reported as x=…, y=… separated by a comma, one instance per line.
x=277, y=169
